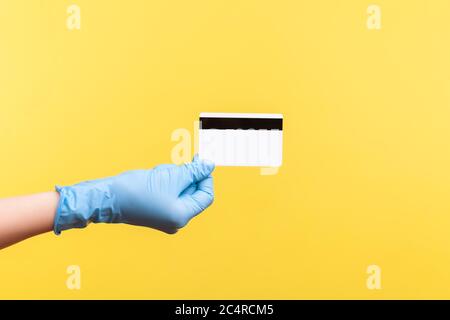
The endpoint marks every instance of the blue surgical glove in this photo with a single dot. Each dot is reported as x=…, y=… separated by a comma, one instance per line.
x=164, y=198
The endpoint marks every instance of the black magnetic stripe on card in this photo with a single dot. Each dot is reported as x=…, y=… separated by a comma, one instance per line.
x=242, y=123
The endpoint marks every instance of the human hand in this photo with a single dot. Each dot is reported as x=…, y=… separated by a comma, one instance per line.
x=166, y=198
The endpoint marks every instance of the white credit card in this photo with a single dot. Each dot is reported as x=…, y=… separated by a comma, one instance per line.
x=241, y=139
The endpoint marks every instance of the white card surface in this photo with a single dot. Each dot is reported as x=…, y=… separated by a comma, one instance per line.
x=241, y=139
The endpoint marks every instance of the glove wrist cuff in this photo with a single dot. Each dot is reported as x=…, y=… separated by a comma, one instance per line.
x=82, y=204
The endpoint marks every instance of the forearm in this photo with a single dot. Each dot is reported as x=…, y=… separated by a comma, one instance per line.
x=26, y=216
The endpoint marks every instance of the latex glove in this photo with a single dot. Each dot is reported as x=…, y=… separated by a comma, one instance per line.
x=163, y=198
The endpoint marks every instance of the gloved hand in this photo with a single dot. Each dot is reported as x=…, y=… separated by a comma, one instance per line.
x=164, y=198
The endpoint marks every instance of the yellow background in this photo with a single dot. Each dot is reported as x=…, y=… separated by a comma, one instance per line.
x=366, y=172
